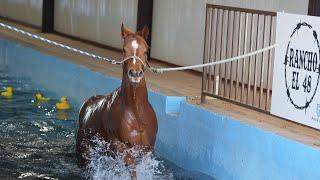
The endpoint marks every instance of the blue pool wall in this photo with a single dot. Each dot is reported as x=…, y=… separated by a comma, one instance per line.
x=190, y=136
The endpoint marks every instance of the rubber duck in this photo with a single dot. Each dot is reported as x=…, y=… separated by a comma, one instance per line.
x=63, y=104
x=40, y=98
x=7, y=93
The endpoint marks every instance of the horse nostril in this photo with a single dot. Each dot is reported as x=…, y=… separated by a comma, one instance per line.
x=131, y=73
x=140, y=74
x=134, y=73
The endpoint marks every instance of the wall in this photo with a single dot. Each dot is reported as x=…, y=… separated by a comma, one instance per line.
x=27, y=11
x=178, y=25
x=190, y=136
x=95, y=20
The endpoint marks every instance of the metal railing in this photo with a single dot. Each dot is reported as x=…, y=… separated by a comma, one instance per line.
x=232, y=32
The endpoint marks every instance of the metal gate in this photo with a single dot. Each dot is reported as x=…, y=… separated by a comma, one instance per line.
x=232, y=32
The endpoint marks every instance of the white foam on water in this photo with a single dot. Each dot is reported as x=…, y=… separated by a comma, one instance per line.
x=35, y=175
x=43, y=126
x=104, y=167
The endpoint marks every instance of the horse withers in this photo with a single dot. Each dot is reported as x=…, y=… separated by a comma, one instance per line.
x=125, y=117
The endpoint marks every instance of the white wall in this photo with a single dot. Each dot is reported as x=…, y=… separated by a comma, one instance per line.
x=96, y=20
x=27, y=11
x=178, y=25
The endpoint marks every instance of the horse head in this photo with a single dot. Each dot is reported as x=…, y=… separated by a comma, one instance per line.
x=135, y=51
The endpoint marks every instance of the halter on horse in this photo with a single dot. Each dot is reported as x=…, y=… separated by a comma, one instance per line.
x=125, y=117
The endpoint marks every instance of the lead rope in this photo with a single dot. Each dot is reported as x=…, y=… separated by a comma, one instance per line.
x=162, y=70
x=146, y=65
x=111, y=61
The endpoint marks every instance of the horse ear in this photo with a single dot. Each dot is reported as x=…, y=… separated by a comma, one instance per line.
x=144, y=32
x=125, y=31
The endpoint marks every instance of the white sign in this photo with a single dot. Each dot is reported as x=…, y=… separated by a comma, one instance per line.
x=296, y=91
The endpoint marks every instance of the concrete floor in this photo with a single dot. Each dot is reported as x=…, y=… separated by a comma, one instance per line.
x=174, y=83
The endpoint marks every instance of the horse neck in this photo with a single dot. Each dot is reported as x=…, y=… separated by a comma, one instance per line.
x=134, y=95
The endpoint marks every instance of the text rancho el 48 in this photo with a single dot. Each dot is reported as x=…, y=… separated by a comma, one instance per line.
x=301, y=66
x=295, y=93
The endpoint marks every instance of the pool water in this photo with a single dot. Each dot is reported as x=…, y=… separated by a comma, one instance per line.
x=38, y=142
x=35, y=139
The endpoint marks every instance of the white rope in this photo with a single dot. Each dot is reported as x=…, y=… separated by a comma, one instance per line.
x=112, y=61
x=155, y=70
x=162, y=70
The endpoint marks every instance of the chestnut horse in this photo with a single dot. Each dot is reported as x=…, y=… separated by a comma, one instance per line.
x=125, y=117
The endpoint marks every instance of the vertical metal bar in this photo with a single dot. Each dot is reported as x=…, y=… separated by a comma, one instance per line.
x=239, y=52
x=211, y=50
x=215, y=33
x=255, y=64
x=220, y=69
x=216, y=13
x=271, y=59
x=232, y=53
x=262, y=63
x=250, y=58
x=208, y=51
x=226, y=55
x=244, y=52
x=204, y=73
x=217, y=50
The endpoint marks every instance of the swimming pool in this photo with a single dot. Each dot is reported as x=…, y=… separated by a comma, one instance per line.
x=189, y=136
x=38, y=141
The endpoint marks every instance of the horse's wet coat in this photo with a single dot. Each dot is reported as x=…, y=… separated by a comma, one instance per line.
x=125, y=118
x=91, y=109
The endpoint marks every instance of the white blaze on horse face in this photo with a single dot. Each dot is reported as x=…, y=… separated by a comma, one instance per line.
x=134, y=78
x=135, y=46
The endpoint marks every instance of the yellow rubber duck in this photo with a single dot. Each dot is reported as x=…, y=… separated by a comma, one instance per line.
x=40, y=98
x=7, y=93
x=63, y=104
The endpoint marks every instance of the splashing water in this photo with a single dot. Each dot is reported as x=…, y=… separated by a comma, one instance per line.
x=101, y=166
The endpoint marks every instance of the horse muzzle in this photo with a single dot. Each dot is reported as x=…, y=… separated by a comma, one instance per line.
x=135, y=76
